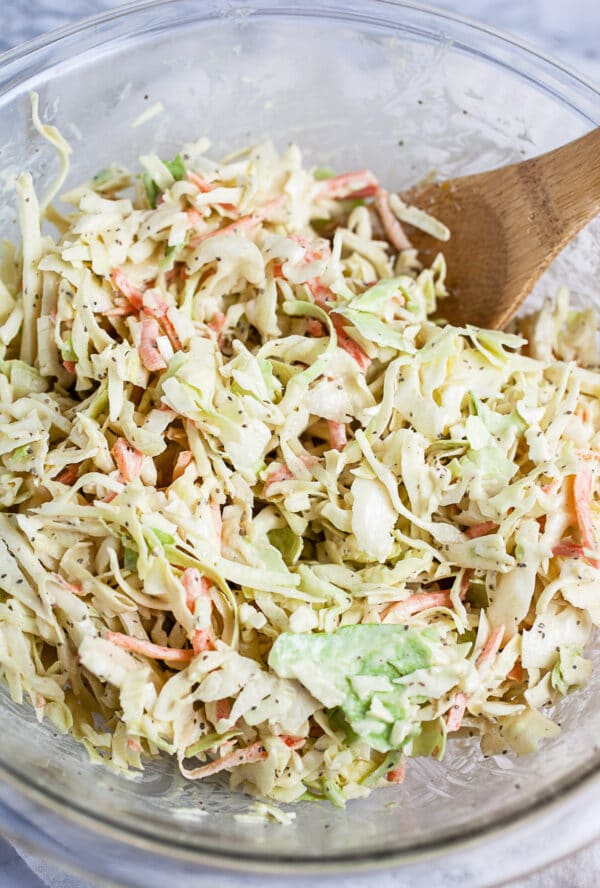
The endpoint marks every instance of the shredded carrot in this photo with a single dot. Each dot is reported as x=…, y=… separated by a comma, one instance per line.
x=323, y=295
x=314, y=328
x=217, y=322
x=200, y=182
x=293, y=742
x=129, y=460
x=397, y=775
x=156, y=307
x=149, y=351
x=69, y=366
x=421, y=601
x=197, y=586
x=309, y=254
x=491, y=648
x=132, y=293
x=205, y=186
x=360, y=183
x=582, y=496
x=282, y=473
x=184, y=459
x=391, y=225
x=134, y=745
x=517, y=673
x=72, y=587
x=479, y=530
x=254, y=753
x=148, y=648
x=309, y=460
x=337, y=434
x=348, y=344
x=456, y=712
x=194, y=217
x=568, y=549
x=275, y=476
x=121, y=308
x=223, y=709
x=69, y=475
x=243, y=224
x=202, y=640
x=300, y=240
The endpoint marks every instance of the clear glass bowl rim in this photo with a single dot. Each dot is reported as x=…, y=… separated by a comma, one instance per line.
x=545, y=72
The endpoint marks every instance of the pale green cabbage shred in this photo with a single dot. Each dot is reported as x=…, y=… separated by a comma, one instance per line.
x=299, y=533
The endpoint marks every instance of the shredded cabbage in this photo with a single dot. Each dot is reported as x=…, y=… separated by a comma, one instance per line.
x=258, y=510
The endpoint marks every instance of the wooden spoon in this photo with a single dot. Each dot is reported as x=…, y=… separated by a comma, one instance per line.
x=506, y=227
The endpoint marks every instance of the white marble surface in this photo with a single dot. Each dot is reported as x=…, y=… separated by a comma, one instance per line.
x=570, y=31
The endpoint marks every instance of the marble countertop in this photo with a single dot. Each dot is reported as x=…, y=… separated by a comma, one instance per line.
x=569, y=31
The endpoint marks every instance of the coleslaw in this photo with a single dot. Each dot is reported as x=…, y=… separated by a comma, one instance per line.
x=262, y=512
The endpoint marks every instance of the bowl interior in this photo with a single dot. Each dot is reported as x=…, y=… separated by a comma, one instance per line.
x=389, y=86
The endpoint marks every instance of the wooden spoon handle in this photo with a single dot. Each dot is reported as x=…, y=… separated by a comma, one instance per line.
x=564, y=186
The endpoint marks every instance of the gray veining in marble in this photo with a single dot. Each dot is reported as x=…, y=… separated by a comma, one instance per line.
x=570, y=31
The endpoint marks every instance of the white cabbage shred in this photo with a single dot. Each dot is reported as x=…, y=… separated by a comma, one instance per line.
x=227, y=419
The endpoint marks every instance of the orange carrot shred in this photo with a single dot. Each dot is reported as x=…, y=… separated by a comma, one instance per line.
x=148, y=648
x=456, y=712
x=479, y=530
x=391, y=225
x=491, y=647
x=582, y=496
x=69, y=475
x=360, y=183
x=129, y=460
x=517, y=673
x=397, y=775
x=223, y=709
x=132, y=293
x=149, y=351
x=568, y=549
x=184, y=459
x=337, y=434
x=250, y=754
x=417, y=603
x=293, y=742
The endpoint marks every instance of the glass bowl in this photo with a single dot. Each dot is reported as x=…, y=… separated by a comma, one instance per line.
x=401, y=89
